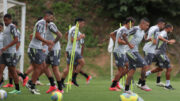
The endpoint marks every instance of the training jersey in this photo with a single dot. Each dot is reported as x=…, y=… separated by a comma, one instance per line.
x=51, y=35
x=9, y=33
x=161, y=46
x=1, y=40
x=71, y=34
x=153, y=32
x=40, y=27
x=119, y=48
x=136, y=35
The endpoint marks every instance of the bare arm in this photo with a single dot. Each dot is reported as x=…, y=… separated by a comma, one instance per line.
x=113, y=36
x=82, y=49
x=126, y=40
x=15, y=41
x=120, y=41
x=59, y=35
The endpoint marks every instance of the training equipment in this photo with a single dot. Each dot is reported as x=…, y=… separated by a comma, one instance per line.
x=130, y=97
x=3, y=94
x=56, y=96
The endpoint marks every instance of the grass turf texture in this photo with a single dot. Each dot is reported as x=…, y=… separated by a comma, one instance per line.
x=97, y=90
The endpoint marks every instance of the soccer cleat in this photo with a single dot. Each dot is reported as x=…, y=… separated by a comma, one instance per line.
x=61, y=91
x=128, y=92
x=33, y=91
x=15, y=92
x=88, y=79
x=28, y=86
x=114, y=89
x=145, y=88
x=39, y=83
x=160, y=84
x=138, y=85
x=25, y=81
x=51, y=88
x=8, y=85
x=119, y=86
x=75, y=83
x=169, y=87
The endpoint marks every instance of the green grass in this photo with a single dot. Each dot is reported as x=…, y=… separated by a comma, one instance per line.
x=97, y=90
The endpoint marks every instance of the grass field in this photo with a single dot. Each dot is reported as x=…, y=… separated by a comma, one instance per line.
x=97, y=90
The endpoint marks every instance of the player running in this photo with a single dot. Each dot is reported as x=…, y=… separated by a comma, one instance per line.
x=163, y=60
x=135, y=59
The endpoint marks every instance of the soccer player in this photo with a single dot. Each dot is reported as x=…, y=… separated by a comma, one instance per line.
x=1, y=46
x=163, y=60
x=120, y=52
x=53, y=54
x=78, y=57
x=35, y=50
x=18, y=54
x=149, y=47
x=8, y=52
x=135, y=59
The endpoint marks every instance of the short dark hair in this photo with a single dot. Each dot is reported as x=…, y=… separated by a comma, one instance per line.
x=15, y=23
x=128, y=19
x=168, y=26
x=1, y=24
x=145, y=19
x=8, y=16
x=49, y=13
x=39, y=18
x=78, y=20
x=159, y=20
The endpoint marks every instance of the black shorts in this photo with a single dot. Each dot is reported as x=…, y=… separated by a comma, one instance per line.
x=36, y=56
x=76, y=58
x=9, y=59
x=135, y=60
x=149, y=58
x=53, y=57
x=163, y=61
x=120, y=59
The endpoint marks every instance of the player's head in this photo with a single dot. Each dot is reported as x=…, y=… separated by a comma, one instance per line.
x=80, y=21
x=1, y=26
x=144, y=24
x=39, y=18
x=15, y=23
x=168, y=28
x=7, y=19
x=49, y=16
x=129, y=22
x=161, y=23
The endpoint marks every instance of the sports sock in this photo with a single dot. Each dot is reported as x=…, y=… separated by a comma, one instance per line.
x=148, y=73
x=140, y=81
x=59, y=85
x=51, y=80
x=158, y=79
x=10, y=81
x=143, y=83
x=62, y=80
x=126, y=87
x=17, y=87
x=114, y=83
x=74, y=76
x=32, y=86
x=167, y=82
x=84, y=74
x=22, y=76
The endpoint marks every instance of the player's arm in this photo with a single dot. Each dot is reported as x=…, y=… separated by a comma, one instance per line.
x=122, y=42
x=113, y=35
x=172, y=41
x=146, y=39
x=38, y=35
x=66, y=35
x=14, y=33
x=132, y=31
x=82, y=49
x=81, y=36
x=58, y=34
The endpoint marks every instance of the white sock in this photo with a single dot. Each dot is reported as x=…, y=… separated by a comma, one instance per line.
x=148, y=73
x=167, y=82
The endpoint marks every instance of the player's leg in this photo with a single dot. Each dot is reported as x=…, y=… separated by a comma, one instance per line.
x=158, y=80
x=88, y=77
x=2, y=67
x=10, y=84
x=128, y=80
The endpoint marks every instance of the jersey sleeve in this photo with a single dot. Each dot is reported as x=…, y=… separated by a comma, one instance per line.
x=39, y=28
x=53, y=28
x=132, y=31
x=162, y=34
x=13, y=31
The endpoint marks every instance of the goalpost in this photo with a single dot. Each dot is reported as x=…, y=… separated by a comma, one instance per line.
x=4, y=6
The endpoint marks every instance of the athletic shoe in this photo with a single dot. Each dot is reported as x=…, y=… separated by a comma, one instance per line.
x=119, y=86
x=88, y=79
x=15, y=92
x=114, y=89
x=145, y=88
x=160, y=84
x=51, y=88
x=28, y=86
x=25, y=81
x=61, y=91
x=128, y=92
x=75, y=83
x=138, y=85
x=169, y=87
x=33, y=91
x=39, y=83
x=8, y=85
